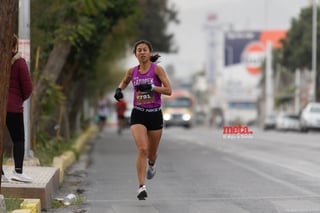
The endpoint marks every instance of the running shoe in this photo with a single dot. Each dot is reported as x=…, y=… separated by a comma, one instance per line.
x=142, y=193
x=151, y=171
x=21, y=177
x=4, y=179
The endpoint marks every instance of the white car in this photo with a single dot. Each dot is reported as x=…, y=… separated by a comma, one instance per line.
x=310, y=117
x=270, y=121
x=287, y=121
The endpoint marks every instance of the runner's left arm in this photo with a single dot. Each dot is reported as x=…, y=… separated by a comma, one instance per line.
x=166, y=86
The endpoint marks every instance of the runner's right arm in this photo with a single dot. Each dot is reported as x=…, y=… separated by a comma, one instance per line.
x=126, y=80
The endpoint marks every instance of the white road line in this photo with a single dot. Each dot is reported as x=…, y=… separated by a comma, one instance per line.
x=274, y=179
x=188, y=199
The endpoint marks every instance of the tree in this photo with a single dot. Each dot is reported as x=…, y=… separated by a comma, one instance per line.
x=8, y=17
x=71, y=34
x=155, y=17
x=296, y=51
x=82, y=43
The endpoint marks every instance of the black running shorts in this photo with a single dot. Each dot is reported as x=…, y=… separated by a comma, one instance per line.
x=151, y=120
x=102, y=118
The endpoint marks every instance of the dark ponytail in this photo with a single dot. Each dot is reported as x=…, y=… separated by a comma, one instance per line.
x=155, y=57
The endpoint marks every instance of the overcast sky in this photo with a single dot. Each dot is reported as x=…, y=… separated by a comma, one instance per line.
x=190, y=35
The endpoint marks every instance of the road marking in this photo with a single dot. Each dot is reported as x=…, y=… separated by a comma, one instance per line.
x=296, y=206
x=296, y=165
x=190, y=199
x=135, y=208
x=274, y=179
x=216, y=207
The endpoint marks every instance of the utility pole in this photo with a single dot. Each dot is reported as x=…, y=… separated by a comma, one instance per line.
x=297, y=91
x=211, y=63
x=24, y=49
x=314, y=51
x=269, y=80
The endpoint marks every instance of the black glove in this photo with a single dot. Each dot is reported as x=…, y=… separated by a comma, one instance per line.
x=144, y=87
x=118, y=94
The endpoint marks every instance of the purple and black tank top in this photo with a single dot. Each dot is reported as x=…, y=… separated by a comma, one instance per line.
x=149, y=99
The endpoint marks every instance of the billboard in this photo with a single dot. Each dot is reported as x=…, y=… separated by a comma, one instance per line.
x=248, y=48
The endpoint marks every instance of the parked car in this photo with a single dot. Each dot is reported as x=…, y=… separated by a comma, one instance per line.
x=286, y=121
x=310, y=117
x=270, y=121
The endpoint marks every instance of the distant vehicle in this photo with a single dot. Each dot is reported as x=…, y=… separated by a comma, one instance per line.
x=310, y=117
x=288, y=122
x=270, y=121
x=178, y=109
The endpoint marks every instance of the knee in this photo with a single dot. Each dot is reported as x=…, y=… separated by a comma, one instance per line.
x=143, y=151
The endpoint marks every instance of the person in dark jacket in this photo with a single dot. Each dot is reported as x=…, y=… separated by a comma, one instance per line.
x=20, y=89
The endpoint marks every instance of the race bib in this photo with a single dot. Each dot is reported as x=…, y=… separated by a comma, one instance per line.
x=145, y=97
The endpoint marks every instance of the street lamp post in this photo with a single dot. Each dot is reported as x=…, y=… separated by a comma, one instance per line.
x=268, y=80
x=314, y=50
x=24, y=48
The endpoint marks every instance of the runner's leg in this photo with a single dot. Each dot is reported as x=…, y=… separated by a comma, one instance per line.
x=139, y=133
x=154, y=137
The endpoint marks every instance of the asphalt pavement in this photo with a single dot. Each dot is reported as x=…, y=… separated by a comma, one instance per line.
x=192, y=176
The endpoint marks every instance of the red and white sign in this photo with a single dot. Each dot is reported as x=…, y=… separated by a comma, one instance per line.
x=253, y=57
x=24, y=49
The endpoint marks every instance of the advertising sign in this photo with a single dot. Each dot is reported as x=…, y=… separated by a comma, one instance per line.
x=248, y=48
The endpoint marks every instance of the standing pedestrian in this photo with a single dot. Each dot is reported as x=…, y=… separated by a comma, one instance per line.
x=20, y=89
x=121, y=107
x=102, y=111
x=149, y=81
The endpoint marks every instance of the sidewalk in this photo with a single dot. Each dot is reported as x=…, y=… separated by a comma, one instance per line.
x=45, y=183
x=46, y=180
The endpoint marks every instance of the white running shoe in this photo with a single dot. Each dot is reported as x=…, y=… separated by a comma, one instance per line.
x=151, y=171
x=21, y=177
x=142, y=193
x=4, y=179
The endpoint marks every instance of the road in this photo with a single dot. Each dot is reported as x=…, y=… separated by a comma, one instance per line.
x=200, y=171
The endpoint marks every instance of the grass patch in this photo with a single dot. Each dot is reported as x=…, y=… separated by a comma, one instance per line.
x=46, y=151
x=59, y=203
x=12, y=203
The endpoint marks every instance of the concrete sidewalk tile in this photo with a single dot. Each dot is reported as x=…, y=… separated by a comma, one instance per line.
x=45, y=183
x=61, y=163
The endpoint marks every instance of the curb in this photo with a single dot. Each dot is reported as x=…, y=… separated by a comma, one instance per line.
x=31, y=204
x=69, y=157
x=22, y=211
x=61, y=162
